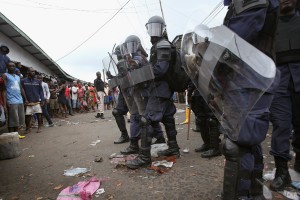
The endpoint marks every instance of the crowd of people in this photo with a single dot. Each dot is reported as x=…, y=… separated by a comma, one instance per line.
x=29, y=95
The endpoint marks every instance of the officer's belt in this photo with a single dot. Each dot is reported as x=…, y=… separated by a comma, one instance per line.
x=288, y=57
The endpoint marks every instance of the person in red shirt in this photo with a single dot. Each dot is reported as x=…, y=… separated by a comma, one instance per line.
x=68, y=97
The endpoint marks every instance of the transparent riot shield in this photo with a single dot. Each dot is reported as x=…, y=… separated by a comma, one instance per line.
x=141, y=72
x=111, y=72
x=124, y=80
x=230, y=73
x=110, y=67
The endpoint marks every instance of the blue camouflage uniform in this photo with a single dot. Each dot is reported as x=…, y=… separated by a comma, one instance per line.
x=244, y=158
x=159, y=108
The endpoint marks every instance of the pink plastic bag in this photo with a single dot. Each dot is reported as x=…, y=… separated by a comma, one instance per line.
x=81, y=191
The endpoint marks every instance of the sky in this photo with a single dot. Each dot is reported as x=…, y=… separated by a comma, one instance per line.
x=79, y=34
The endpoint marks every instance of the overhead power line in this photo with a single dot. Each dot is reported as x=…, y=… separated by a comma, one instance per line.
x=93, y=33
x=212, y=13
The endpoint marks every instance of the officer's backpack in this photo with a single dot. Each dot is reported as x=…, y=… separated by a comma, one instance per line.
x=176, y=76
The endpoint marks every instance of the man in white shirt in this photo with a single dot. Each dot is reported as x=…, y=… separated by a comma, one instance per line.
x=74, y=95
x=47, y=97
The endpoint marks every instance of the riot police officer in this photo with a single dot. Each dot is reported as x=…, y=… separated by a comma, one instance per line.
x=225, y=65
x=121, y=109
x=136, y=58
x=206, y=121
x=285, y=108
x=160, y=107
x=255, y=22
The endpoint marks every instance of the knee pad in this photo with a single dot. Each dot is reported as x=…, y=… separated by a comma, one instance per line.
x=115, y=112
x=213, y=122
x=135, y=118
x=230, y=150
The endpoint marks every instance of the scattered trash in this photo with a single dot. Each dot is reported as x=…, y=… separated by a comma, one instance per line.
x=269, y=175
x=82, y=190
x=75, y=171
x=186, y=150
x=120, y=160
x=112, y=155
x=267, y=193
x=65, y=155
x=180, y=128
x=58, y=187
x=98, y=159
x=39, y=198
x=72, y=142
x=180, y=111
x=31, y=156
x=296, y=184
x=272, y=162
x=157, y=147
x=295, y=176
x=109, y=120
x=75, y=123
x=95, y=142
x=94, y=121
x=99, y=192
x=163, y=163
x=119, y=184
x=25, y=149
x=290, y=195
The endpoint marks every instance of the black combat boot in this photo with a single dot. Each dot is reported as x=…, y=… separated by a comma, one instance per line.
x=256, y=190
x=197, y=129
x=120, y=120
x=233, y=172
x=142, y=160
x=144, y=157
x=132, y=149
x=173, y=149
x=160, y=140
x=202, y=148
x=214, y=140
x=282, y=176
x=297, y=163
x=123, y=139
x=101, y=115
x=204, y=131
x=98, y=115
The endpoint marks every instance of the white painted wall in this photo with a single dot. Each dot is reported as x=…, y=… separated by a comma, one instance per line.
x=17, y=53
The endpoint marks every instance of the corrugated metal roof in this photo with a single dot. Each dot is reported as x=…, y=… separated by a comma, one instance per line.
x=15, y=34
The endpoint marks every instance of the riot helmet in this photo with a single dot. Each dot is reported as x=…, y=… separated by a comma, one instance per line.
x=132, y=44
x=118, y=53
x=156, y=26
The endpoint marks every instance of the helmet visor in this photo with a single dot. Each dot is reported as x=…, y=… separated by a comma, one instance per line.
x=155, y=29
x=131, y=47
